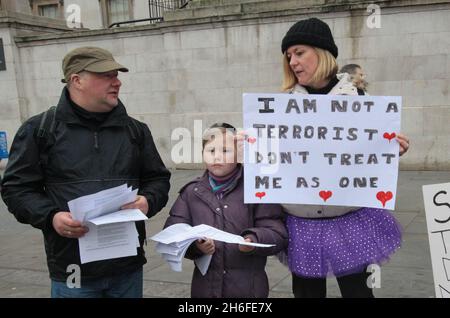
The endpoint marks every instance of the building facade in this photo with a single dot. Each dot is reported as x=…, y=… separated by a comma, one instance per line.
x=95, y=14
x=195, y=65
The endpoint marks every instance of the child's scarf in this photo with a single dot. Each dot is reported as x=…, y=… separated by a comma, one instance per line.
x=220, y=185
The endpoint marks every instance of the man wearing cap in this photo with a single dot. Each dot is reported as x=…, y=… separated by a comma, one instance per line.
x=92, y=145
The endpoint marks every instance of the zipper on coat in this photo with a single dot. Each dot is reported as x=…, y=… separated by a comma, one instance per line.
x=96, y=140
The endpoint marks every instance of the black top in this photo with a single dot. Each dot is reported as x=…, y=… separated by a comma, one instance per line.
x=325, y=90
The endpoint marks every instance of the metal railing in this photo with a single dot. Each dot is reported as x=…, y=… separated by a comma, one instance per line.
x=156, y=10
x=118, y=24
x=157, y=7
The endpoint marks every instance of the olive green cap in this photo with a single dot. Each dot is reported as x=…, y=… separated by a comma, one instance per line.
x=91, y=59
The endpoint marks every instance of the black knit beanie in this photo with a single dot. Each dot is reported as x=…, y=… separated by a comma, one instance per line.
x=312, y=32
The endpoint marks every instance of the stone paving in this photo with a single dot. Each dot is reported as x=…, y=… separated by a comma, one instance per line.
x=23, y=269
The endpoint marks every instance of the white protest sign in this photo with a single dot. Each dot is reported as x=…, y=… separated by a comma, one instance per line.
x=436, y=198
x=321, y=149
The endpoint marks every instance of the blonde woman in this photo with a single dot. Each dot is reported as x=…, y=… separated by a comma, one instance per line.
x=330, y=240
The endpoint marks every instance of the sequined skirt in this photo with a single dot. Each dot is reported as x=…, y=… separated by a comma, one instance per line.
x=342, y=245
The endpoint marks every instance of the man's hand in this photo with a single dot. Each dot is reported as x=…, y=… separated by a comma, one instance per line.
x=404, y=143
x=140, y=203
x=206, y=246
x=65, y=226
x=246, y=248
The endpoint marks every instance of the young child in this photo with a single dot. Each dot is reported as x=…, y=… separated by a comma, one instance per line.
x=217, y=199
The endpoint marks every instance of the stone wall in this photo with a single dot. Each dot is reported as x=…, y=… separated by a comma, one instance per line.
x=91, y=15
x=13, y=101
x=9, y=95
x=190, y=69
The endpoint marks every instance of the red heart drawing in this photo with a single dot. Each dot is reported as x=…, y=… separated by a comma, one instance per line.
x=389, y=136
x=383, y=197
x=325, y=195
x=260, y=194
x=251, y=140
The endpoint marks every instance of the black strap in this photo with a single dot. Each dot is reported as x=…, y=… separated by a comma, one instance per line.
x=46, y=128
x=136, y=133
x=137, y=137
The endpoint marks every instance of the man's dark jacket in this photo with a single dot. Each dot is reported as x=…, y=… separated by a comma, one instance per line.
x=76, y=161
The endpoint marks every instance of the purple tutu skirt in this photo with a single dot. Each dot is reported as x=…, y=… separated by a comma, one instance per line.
x=342, y=245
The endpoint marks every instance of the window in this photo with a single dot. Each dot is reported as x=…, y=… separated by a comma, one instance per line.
x=116, y=11
x=47, y=8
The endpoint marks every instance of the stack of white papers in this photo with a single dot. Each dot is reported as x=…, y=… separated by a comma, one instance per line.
x=173, y=242
x=112, y=231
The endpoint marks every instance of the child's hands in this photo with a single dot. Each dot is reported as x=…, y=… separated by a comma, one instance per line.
x=206, y=246
x=404, y=143
x=246, y=248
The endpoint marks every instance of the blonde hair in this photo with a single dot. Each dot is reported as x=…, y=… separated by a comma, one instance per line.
x=327, y=68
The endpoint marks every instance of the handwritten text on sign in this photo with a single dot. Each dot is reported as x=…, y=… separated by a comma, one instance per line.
x=321, y=149
x=437, y=209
